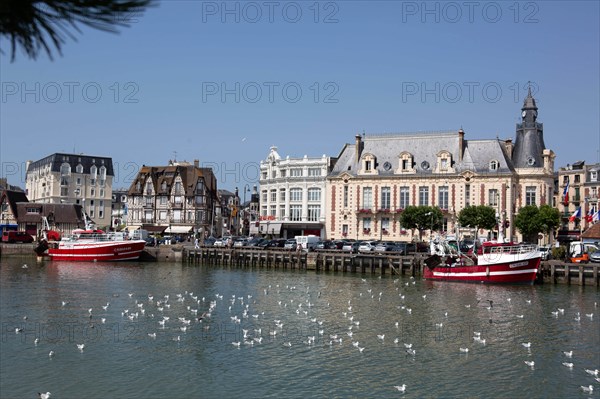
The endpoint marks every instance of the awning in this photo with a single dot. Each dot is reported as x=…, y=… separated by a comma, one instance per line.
x=270, y=227
x=153, y=228
x=178, y=229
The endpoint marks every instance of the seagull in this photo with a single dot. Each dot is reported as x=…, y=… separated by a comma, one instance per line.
x=236, y=344
x=152, y=335
x=80, y=347
x=42, y=395
x=381, y=336
x=400, y=388
x=411, y=352
x=64, y=303
x=464, y=350
x=530, y=363
x=408, y=346
x=51, y=353
x=288, y=344
x=590, y=315
x=361, y=349
x=526, y=344
x=24, y=266
x=588, y=389
x=18, y=330
x=568, y=354
x=520, y=316
x=592, y=372
x=37, y=341
x=567, y=364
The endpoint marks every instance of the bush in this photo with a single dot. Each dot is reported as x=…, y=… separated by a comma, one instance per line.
x=559, y=253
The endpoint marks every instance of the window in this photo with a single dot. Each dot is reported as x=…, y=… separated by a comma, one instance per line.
x=103, y=172
x=273, y=195
x=148, y=187
x=314, y=172
x=423, y=196
x=296, y=172
x=274, y=174
x=577, y=179
x=443, y=197
x=344, y=230
x=177, y=215
x=200, y=187
x=314, y=213
x=345, y=196
x=94, y=172
x=444, y=163
x=283, y=172
x=264, y=175
x=366, y=223
x=92, y=192
x=163, y=200
x=102, y=192
x=65, y=169
x=385, y=225
x=148, y=200
x=264, y=196
x=281, y=212
x=295, y=194
x=78, y=181
x=273, y=210
x=296, y=213
x=178, y=188
x=405, y=164
x=445, y=224
x=494, y=165
x=367, y=165
x=64, y=191
x=385, y=197
x=493, y=197
x=101, y=209
x=199, y=200
x=367, y=202
x=163, y=215
x=314, y=194
x=404, y=197
x=178, y=199
x=593, y=176
x=79, y=168
x=281, y=194
x=530, y=195
x=467, y=195
x=263, y=210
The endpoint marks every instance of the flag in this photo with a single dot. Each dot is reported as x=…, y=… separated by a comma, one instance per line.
x=566, y=193
x=596, y=216
x=590, y=216
x=575, y=215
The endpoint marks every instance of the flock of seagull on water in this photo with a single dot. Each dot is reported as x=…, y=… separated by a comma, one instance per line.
x=159, y=309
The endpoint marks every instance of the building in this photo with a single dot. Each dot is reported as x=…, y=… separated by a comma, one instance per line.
x=228, y=213
x=578, y=187
x=119, y=209
x=378, y=176
x=76, y=179
x=179, y=198
x=292, y=195
x=9, y=214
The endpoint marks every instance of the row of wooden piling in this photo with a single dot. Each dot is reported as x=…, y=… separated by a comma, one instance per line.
x=553, y=272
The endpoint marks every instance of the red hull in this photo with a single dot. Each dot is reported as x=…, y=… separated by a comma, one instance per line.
x=98, y=251
x=518, y=272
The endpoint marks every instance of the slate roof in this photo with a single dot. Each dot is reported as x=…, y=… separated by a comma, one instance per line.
x=57, y=159
x=425, y=147
x=159, y=174
x=63, y=213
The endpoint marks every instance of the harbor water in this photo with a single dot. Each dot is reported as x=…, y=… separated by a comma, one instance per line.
x=171, y=330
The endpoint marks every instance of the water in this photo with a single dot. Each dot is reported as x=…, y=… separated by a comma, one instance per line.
x=121, y=360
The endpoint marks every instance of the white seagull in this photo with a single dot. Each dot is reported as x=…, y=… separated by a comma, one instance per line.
x=567, y=364
x=42, y=395
x=568, y=354
x=530, y=363
x=400, y=388
x=80, y=347
x=588, y=389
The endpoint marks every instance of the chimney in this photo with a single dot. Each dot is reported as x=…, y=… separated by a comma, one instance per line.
x=196, y=163
x=461, y=144
x=358, y=147
x=508, y=145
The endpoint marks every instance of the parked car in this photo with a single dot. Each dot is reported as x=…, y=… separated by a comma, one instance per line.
x=275, y=243
x=16, y=236
x=351, y=246
x=150, y=241
x=290, y=244
x=256, y=241
x=595, y=257
x=240, y=242
x=339, y=244
x=389, y=246
x=210, y=241
x=367, y=246
x=219, y=242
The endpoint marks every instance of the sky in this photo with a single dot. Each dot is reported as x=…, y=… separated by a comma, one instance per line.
x=222, y=82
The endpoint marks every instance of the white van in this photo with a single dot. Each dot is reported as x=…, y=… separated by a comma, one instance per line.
x=308, y=242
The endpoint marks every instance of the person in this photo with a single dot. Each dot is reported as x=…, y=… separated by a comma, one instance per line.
x=196, y=244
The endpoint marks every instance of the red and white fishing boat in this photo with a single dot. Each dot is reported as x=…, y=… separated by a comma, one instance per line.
x=90, y=244
x=496, y=263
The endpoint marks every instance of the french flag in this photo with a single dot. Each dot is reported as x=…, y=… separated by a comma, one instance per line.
x=566, y=193
x=590, y=216
x=575, y=215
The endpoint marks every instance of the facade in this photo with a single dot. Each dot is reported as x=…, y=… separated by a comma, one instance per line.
x=175, y=199
x=119, y=209
x=378, y=176
x=229, y=213
x=75, y=179
x=578, y=187
x=293, y=195
x=8, y=209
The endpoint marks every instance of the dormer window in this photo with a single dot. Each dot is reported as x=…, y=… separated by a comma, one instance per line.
x=79, y=168
x=494, y=165
x=406, y=163
x=593, y=176
x=444, y=162
x=369, y=164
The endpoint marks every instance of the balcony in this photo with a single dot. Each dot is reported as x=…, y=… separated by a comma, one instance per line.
x=384, y=210
x=364, y=210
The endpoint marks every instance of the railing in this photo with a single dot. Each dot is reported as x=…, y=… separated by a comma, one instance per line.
x=510, y=249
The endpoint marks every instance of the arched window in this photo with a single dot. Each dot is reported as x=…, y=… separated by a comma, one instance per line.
x=494, y=165
x=65, y=169
x=79, y=168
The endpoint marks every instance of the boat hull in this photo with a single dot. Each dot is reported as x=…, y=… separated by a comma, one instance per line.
x=512, y=272
x=98, y=251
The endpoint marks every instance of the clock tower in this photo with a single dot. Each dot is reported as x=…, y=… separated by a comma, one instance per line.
x=529, y=143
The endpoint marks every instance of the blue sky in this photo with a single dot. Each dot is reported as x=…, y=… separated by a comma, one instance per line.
x=222, y=82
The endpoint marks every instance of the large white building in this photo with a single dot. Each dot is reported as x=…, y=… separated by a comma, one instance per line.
x=70, y=179
x=292, y=195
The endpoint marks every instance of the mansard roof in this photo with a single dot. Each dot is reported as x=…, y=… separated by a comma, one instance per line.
x=57, y=159
x=424, y=149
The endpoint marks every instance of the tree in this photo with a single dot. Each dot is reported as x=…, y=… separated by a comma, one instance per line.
x=37, y=25
x=532, y=220
x=422, y=218
x=478, y=217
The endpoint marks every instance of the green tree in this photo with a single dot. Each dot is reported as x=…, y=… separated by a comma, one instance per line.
x=39, y=25
x=478, y=217
x=532, y=220
x=422, y=218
